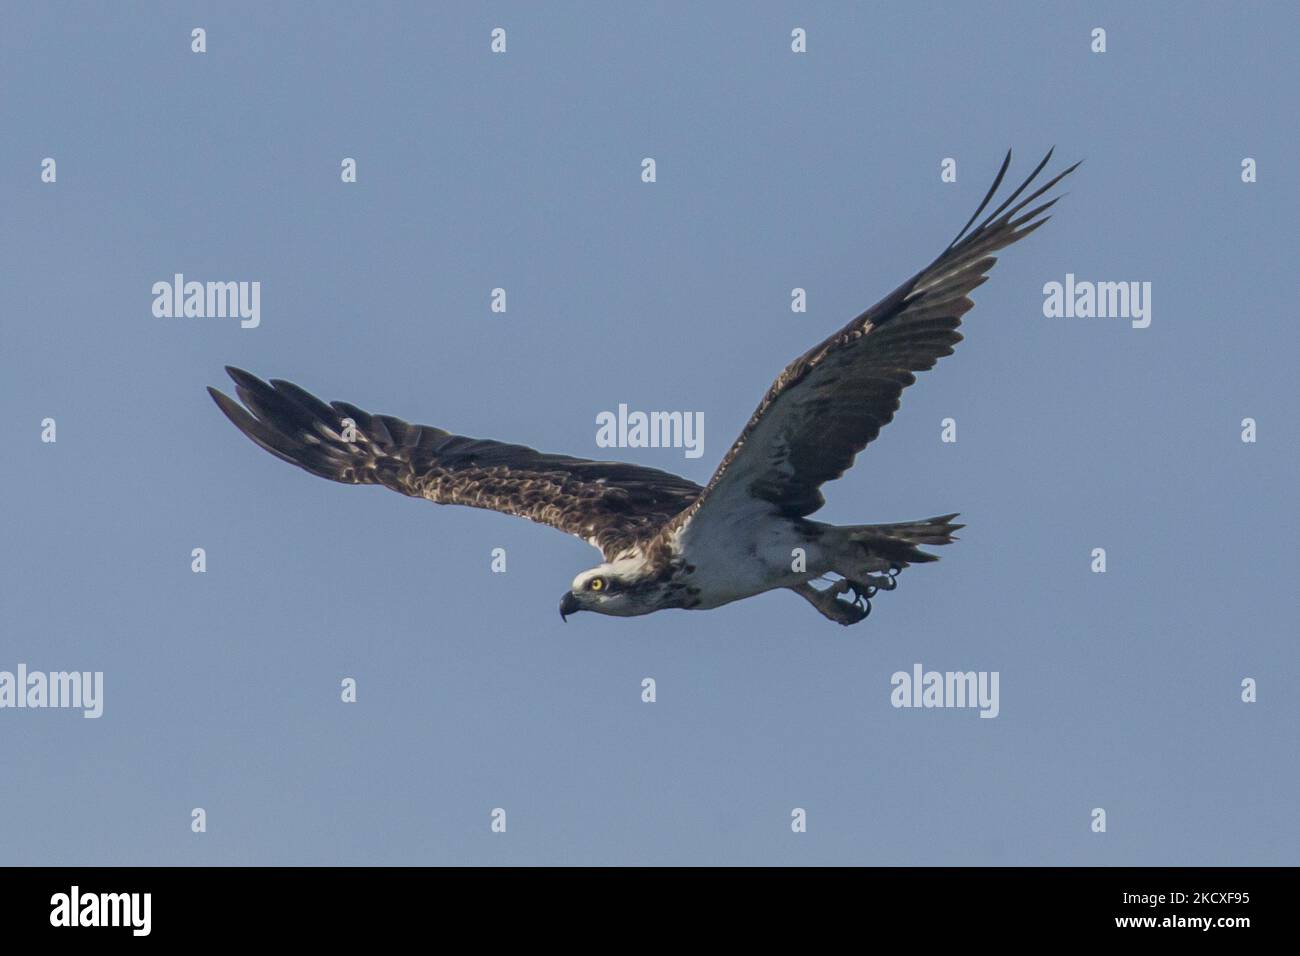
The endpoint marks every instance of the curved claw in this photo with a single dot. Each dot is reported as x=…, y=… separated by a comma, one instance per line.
x=862, y=598
x=890, y=582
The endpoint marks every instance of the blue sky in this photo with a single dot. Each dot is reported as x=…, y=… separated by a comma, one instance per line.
x=774, y=170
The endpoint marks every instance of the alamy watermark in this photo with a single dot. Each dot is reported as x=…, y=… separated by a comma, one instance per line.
x=626, y=429
x=1103, y=300
x=76, y=908
x=922, y=688
x=75, y=690
x=208, y=300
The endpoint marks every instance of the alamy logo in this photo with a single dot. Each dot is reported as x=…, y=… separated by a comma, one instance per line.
x=82, y=690
x=651, y=430
x=209, y=300
x=102, y=909
x=946, y=689
x=1102, y=300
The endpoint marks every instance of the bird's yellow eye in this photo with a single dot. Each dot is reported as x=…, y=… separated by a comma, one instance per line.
x=596, y=584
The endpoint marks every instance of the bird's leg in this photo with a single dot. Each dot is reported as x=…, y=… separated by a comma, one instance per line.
x=829, y=605
x=862, y=593
x=864, y=590
x=848, y=600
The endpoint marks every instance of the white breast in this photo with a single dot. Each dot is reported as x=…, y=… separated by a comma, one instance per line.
x=738, y=559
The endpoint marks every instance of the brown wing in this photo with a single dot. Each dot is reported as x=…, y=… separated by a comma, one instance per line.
x=608, y=504
x=831, y=402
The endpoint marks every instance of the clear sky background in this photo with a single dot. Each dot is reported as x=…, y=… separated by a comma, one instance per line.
x=1118, y=690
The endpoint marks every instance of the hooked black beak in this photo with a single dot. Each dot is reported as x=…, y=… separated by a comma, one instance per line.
x=569, y=605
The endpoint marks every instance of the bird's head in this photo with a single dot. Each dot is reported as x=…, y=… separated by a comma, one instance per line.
x=610, y=590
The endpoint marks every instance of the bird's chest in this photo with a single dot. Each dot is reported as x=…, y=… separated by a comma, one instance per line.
x=753, y=557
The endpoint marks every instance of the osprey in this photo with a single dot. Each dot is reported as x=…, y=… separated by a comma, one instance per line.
x=667, y=542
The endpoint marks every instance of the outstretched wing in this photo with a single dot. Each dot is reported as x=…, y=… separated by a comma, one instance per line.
x=831, y=402
x=610, y=505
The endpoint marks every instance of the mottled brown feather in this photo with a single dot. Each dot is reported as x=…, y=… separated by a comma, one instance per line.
x=612, y=505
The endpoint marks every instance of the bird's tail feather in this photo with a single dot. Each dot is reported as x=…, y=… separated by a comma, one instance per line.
x=898, y=543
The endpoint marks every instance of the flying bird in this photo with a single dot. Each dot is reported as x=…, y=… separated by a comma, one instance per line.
x=667, y=542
